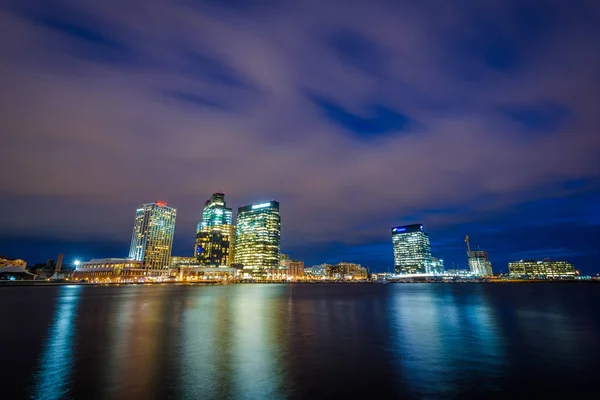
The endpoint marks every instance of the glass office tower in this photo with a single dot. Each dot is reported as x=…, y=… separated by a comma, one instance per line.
x=258, y=236
x=152, y=237
x=214, y=233
x=412, y=250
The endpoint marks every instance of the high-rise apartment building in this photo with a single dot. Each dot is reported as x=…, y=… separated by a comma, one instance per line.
x=479, y=263
x=546, y=268
x=215, y=233
x=412, y=250
x=258, y=236
x=152, y=237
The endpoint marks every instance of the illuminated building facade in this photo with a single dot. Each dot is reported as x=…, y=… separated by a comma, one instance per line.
x=110, y=270
x=546, y=268
x=12, y=262
x=317, y=271
x=347, y=271
x=295, y=269
x=258, y=236
x=152, y=237
x=215, y=233
x=179, y=261
x=437, y=265
x=479, y=263
x=412, y=250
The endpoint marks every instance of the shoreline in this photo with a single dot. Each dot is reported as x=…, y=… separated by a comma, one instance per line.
x=212, y=283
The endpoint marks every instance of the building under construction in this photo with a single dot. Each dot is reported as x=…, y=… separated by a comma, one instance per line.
x=479, y=263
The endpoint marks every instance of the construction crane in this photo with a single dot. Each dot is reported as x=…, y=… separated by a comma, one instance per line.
x=468, y=245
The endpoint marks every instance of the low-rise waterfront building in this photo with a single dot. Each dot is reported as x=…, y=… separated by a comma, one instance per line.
x=179, y=261
x=347, y=271
x=274, y=274
x=295, y=269
x=15, y=273
x=12, y=262
x=437, y=266
x=316, y=271
x=463, y=273
x=110, y=270
x=200, y=273
x=546, y=268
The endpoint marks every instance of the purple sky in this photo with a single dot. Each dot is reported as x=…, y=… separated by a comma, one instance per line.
x=476, y=117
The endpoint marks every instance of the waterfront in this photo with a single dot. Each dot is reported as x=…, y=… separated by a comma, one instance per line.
x=300, y=341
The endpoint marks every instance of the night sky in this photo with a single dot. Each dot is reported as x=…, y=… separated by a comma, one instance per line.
x=472, y=117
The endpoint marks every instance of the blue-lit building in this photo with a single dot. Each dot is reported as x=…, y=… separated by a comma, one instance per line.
x=412, y=250
x=258, y=236
x=215, y=233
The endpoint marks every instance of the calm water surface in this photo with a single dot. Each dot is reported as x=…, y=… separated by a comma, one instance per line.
x=300, y=341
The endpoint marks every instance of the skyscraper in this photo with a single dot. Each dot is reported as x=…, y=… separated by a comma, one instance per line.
x=412, y=250
x=479, y=264
x=214, y=233
x=258, y=236
x=152, y=237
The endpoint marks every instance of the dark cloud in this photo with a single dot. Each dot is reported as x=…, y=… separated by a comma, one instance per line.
x=355, y=49
x=476, y=108
x=380, y=120
x=78, y=32
x=213, y=69
x=193, y=98
x=544, y=117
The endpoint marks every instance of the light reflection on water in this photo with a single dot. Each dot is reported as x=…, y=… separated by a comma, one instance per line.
x=56, y=363
x=439, y=342
x=229, y=348
x=304, y=341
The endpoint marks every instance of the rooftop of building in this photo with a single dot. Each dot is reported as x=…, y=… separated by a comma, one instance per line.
x=407, y=228
x=110, y=260
x=10, y=259
x=273, y=204
x=538, y=261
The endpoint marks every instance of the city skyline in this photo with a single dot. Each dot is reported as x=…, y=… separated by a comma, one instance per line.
x=478, y=119
x=155, y=223
x=224, y=216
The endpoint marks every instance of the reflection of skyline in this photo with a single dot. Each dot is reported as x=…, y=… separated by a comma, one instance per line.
x=206, y=345
x=52, y=381
x=442, y=335
x=152, y=339
x=554, y=327
x=295, y=341
x=335, y=343
x=256, y=352
x=124, y=368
